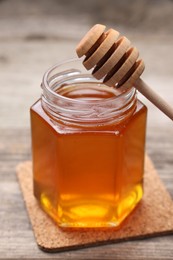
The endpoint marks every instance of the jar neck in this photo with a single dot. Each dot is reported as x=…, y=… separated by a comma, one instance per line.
x=72, y=97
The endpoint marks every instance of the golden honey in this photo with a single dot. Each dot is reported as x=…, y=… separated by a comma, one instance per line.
x=88, y=144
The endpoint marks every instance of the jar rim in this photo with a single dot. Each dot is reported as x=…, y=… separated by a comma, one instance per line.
x=70, y=74
x=45, y=85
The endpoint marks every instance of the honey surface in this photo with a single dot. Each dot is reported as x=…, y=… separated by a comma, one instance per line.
x=88, y=177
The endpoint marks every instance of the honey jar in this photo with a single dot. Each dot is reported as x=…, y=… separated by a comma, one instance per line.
x=88, y=144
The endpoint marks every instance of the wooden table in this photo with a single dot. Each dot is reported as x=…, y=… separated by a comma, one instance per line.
x=17, y=239
x=28, y=46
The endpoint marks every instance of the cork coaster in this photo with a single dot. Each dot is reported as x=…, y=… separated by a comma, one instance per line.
x=152, y=217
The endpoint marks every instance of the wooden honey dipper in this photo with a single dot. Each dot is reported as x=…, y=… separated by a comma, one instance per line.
x=116, y=61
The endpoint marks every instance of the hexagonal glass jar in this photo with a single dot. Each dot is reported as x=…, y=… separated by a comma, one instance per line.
x=88, y=144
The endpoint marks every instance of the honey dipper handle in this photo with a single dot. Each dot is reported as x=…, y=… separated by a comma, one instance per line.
x=151, y=95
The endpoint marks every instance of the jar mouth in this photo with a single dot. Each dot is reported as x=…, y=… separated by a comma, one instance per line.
x=72, y=74
x=72, y=94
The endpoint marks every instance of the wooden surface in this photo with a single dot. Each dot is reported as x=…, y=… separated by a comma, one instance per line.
x=17, y=240
x=33, y=38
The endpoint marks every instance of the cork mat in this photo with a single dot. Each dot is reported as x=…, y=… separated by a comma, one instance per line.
x=152, y=217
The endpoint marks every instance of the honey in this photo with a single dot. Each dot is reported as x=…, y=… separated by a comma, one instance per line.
x=88, y=144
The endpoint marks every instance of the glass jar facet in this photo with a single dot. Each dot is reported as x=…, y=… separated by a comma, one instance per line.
x=88, y=143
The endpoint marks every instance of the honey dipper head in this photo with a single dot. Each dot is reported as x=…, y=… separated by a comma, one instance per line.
x=112, y=57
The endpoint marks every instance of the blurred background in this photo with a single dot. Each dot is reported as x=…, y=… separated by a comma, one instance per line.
x=35, y=34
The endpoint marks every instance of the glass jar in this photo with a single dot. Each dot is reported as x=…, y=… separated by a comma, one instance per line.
x=88, y=144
